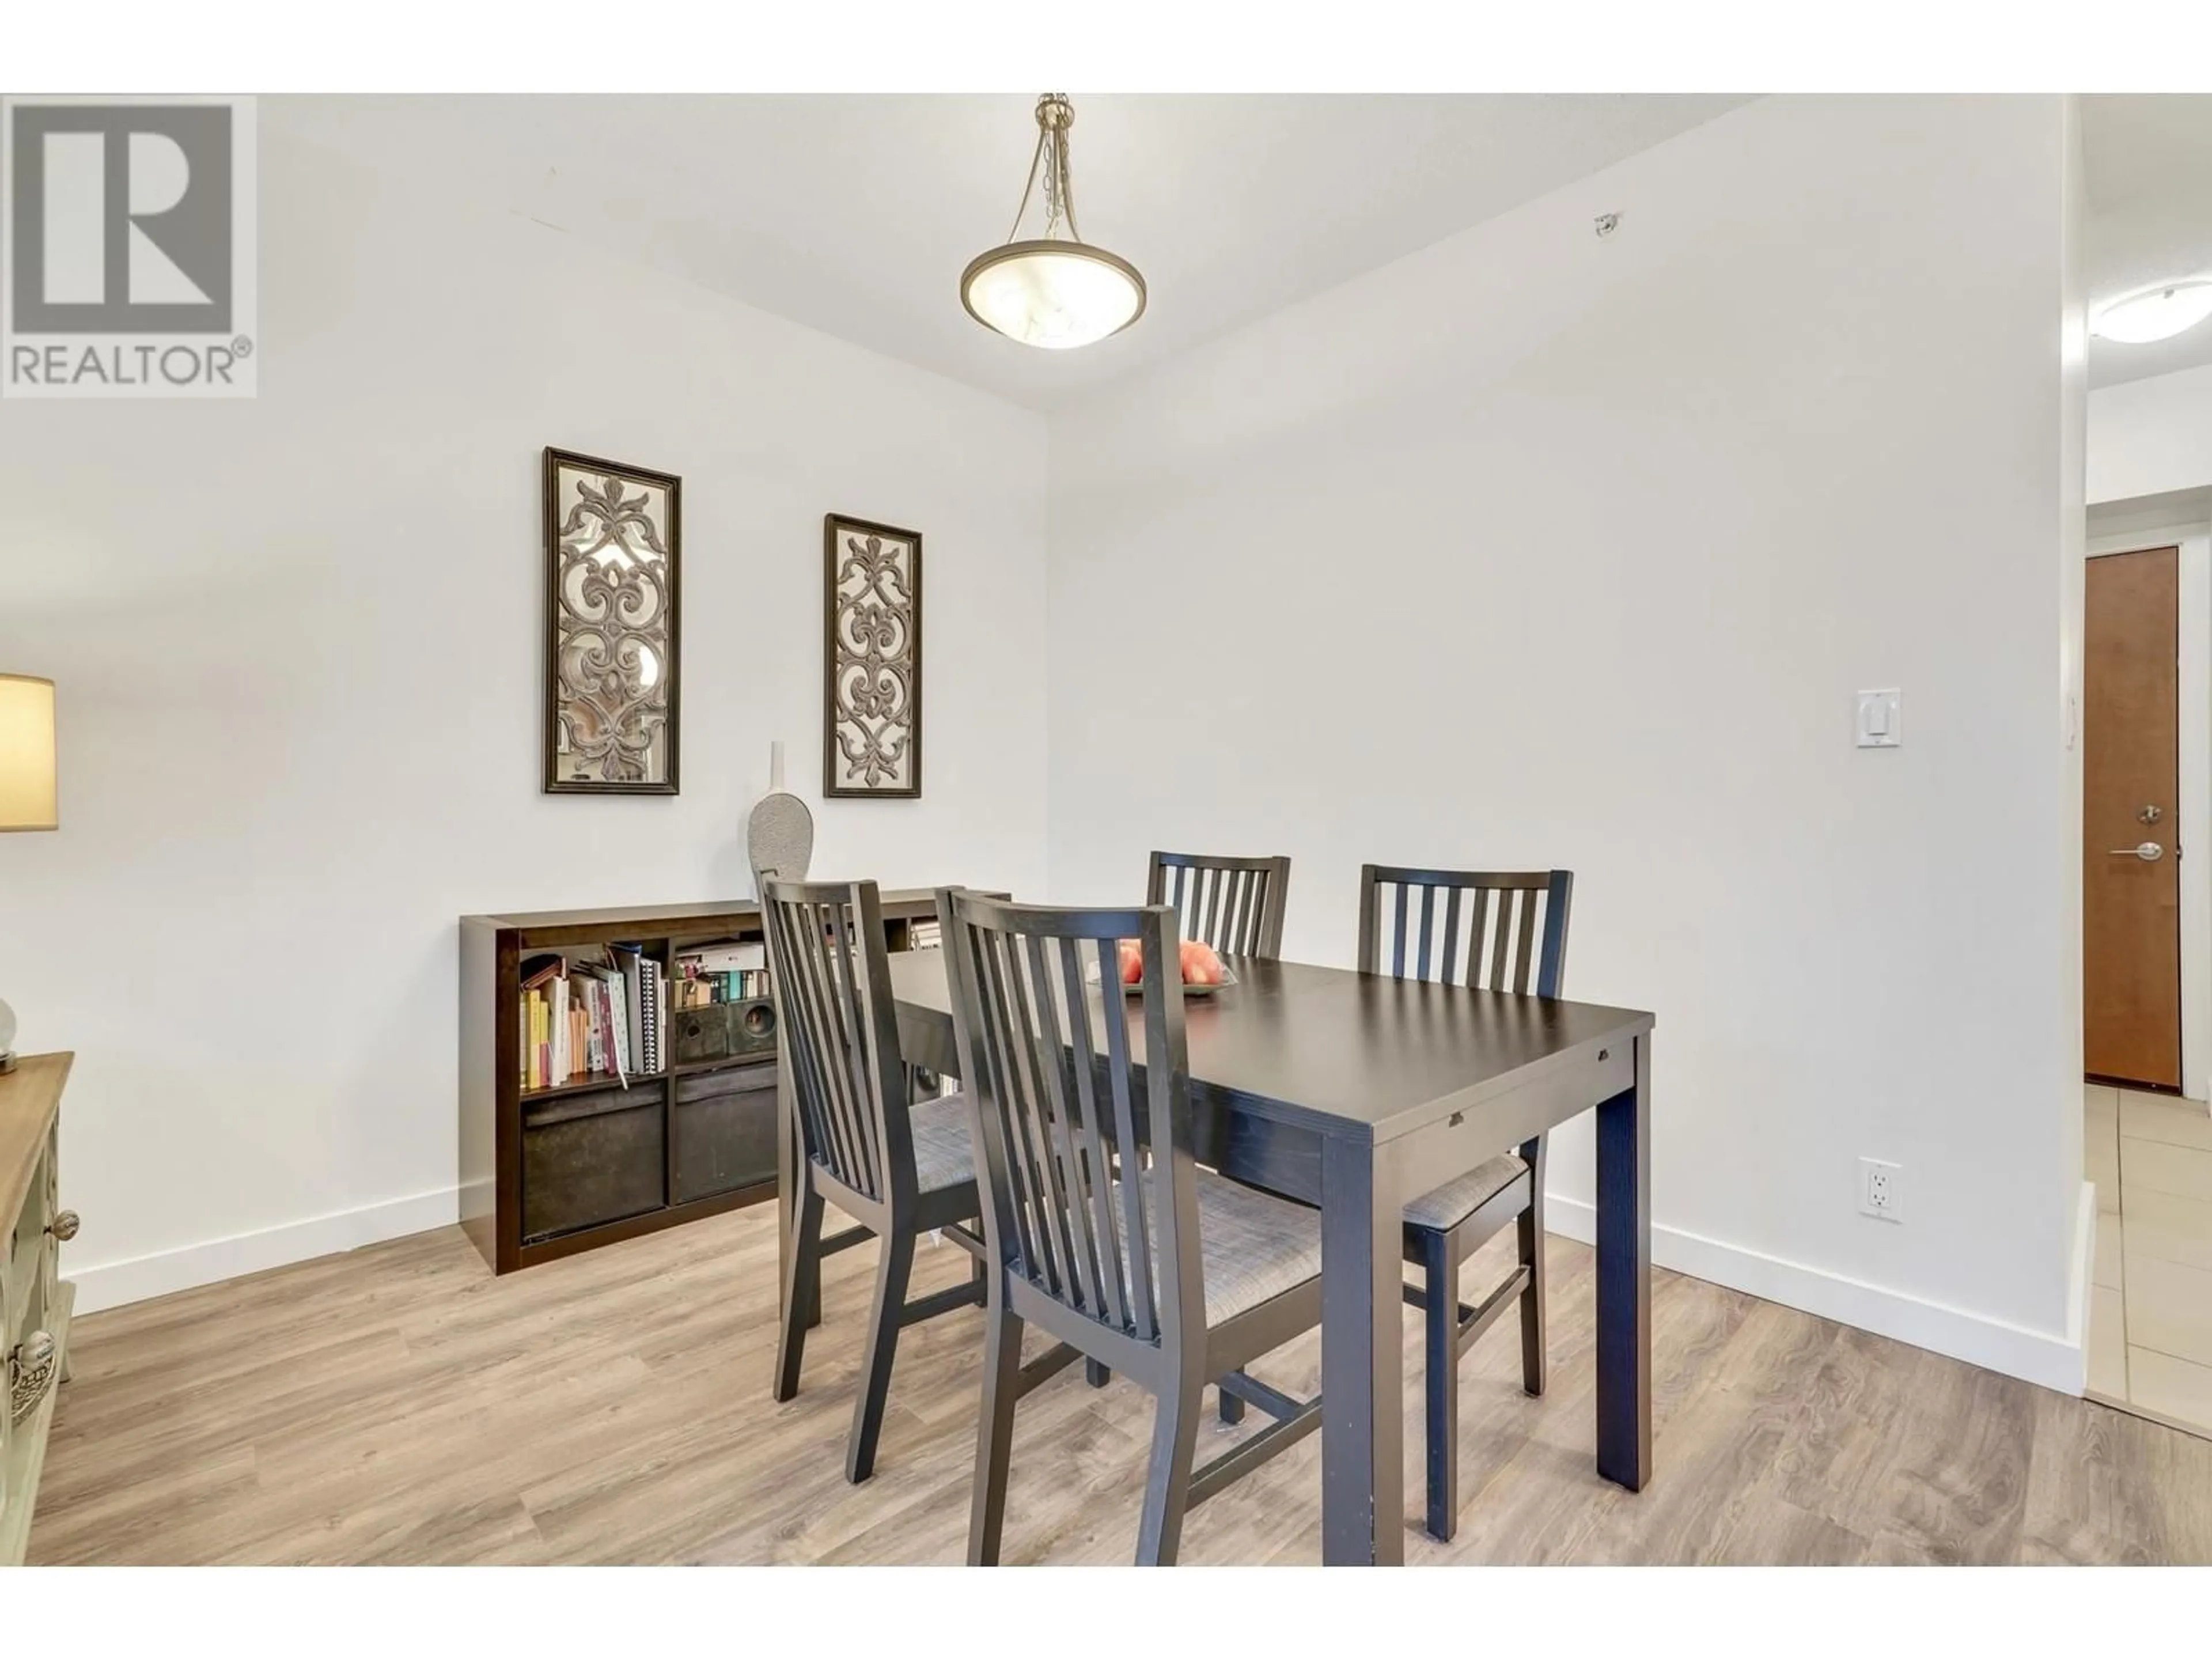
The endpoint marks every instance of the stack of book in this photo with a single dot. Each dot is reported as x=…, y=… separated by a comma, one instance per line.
x=730, y=972
x=582, y=1018
x=923, y=934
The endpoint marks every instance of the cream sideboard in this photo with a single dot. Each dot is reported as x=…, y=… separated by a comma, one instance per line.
x=34, y=1302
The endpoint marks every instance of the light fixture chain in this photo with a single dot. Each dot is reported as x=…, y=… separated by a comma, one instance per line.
x=1029, y=185
x=1065, y=194
x=1053, y=173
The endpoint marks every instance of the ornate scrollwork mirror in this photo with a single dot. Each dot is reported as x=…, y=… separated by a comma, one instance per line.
x=613, y=655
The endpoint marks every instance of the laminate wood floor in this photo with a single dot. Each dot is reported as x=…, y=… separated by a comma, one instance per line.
x=400, y=1405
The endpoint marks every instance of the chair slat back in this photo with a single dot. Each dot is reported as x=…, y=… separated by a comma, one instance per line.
x=1090, y=1184
x=1234, y=904
x=831, y=980
x=1499, y=931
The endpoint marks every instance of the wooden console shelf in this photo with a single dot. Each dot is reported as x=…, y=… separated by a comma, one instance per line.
x=609, y=1162
x=35, y=1301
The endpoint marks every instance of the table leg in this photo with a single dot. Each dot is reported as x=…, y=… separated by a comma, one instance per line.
x=1362, y=1474
x=1624, y=1280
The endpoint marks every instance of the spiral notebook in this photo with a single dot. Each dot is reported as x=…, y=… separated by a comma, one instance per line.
x=652, y=1004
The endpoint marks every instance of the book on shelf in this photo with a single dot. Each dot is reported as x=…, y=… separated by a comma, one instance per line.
x=556, y=1034
x=576, y=1020
x=630, y=961
x=610, y=1037
x=923, y=934
x=653, y=1005
x=533, y=1025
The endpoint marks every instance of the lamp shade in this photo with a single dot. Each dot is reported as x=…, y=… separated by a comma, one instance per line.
x=1054, y=293
x=27, y=753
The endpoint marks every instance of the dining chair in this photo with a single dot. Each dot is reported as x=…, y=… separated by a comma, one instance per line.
x=898, y=1166
x=1234, y=904
x=1526, y=935
x=1100, y=1227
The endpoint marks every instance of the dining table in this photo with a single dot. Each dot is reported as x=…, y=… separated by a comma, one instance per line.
x=1356, y=1092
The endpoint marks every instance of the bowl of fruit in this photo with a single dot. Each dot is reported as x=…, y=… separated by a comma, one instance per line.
x=1202, y=970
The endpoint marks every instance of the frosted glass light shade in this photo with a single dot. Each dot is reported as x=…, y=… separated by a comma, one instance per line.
x=27, y=753
x=2159, y=313
x=1052, y=293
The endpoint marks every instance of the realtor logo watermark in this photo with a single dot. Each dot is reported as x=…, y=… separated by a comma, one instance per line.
x=127, y=247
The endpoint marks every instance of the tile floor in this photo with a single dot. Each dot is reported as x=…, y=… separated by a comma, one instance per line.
x=2150, y=1313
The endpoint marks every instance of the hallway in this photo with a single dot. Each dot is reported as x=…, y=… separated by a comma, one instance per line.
x=2151, y=1319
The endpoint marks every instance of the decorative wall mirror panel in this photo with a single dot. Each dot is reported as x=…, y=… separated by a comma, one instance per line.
x=872, y=701
x=613, y=639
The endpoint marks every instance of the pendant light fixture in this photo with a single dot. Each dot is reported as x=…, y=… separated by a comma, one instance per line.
x=2155, y=313
x=1054, y=290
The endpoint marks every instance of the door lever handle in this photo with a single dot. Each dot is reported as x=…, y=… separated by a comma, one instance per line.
x=2150, y=851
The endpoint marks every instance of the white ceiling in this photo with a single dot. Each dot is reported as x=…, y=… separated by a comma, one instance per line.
x=2148, y=163
x=856, y=216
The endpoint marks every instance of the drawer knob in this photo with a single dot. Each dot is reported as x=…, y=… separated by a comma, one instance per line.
x=30, y=1373
x=63, y=1225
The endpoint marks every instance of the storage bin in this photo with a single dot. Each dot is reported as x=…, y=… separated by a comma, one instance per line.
x=725, y=1131
x=592, y=1158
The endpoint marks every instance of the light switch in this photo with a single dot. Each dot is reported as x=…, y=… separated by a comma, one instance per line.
x=1881, y=719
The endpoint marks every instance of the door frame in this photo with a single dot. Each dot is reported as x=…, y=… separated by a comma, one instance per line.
x=2194, y=789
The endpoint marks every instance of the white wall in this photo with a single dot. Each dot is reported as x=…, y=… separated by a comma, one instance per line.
x=2066, y=556
x=2151, y=437
x=1537, y=548
x=298, y=647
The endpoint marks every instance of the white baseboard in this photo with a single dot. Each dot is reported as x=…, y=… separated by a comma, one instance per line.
x=111, y=1284
x=1993, y=1344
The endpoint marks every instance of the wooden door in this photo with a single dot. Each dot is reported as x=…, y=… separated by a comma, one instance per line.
x=2131, y=828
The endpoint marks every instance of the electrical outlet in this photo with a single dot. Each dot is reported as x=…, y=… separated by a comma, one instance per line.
x=1881, y=1189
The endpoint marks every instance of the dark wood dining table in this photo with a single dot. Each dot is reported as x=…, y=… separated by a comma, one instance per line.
x=1358, y=1092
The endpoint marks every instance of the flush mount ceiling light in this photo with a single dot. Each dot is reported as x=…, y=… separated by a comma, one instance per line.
x=2156, y=314
x=1054, y=290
